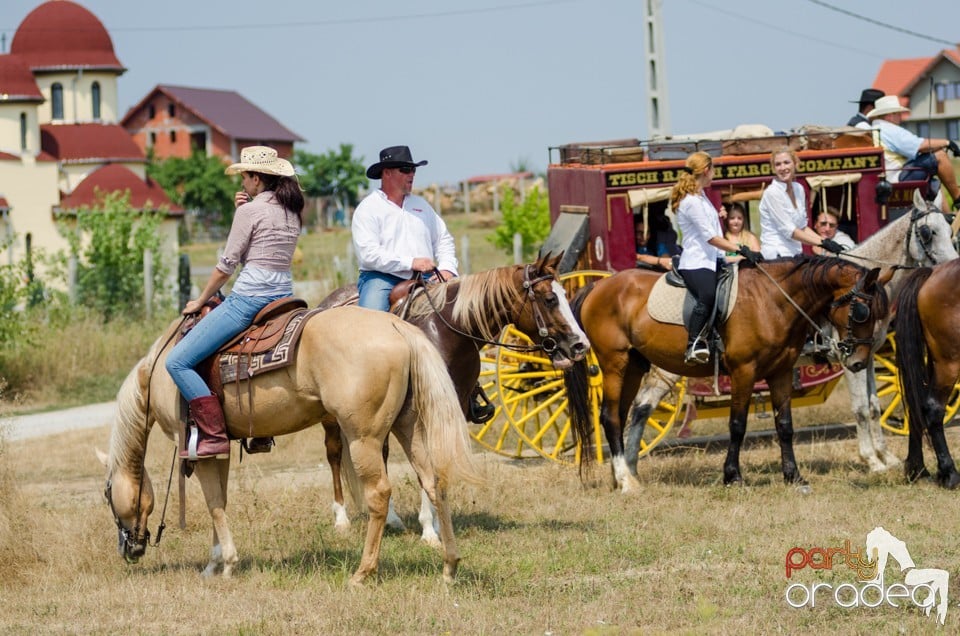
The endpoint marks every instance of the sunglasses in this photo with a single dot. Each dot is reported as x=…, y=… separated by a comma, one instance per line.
x=407, y=169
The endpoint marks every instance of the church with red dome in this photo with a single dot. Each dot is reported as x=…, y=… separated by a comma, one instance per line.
x=60, y=140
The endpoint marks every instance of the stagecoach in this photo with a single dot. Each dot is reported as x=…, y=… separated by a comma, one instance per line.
x=601, y=191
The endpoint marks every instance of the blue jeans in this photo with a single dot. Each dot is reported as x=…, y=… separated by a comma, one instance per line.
x=920, y=168
x=228, y=319
x=375, y=289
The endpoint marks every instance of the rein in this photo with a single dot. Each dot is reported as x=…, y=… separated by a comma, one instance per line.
x=923, y=240
x=848, y=343
x=547, y=345
x=125, y=534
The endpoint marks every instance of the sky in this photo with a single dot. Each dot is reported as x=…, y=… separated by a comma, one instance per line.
x=482, y=87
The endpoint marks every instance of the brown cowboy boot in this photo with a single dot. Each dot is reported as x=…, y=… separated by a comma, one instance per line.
x=206, y=434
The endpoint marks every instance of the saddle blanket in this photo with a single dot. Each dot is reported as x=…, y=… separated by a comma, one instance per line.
x=241, y=366
x=666, y=303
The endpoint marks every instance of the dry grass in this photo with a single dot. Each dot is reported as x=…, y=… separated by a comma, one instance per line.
x=540, y=553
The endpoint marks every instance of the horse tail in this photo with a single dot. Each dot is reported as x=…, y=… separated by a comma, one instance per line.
x=438, y=409
x=576, y=382
x=915, y=370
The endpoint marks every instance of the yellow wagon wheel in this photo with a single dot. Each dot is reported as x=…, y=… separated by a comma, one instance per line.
x=893, y=416
x=497, y=434
x=532, y=394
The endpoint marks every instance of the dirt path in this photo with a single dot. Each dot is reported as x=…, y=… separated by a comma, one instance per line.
x=38, y=424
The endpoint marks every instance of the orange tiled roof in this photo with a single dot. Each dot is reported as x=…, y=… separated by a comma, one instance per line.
x=144, y=194
x=89, y=142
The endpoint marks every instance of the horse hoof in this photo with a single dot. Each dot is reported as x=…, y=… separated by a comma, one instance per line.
x=950, y=481
x=735, y=481
x=804, y=489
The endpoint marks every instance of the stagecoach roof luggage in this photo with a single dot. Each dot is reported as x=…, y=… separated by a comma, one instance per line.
x=745, y=139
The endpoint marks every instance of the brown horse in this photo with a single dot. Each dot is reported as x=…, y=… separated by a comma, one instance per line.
x=928, y=356
x=369, y=371
x=762, y=338
x=463, y=314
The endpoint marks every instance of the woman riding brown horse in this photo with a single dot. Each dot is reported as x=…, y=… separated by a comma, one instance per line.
x=928, y=357
x=777, y=302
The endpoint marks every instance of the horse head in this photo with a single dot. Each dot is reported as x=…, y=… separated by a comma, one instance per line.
x=546, y=312
x=859, y=301
x=929, y=239
x=131, y=502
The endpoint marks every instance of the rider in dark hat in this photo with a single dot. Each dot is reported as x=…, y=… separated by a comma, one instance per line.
x=868, y=98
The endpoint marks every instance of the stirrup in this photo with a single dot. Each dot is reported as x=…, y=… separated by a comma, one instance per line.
x=697, y=353
x=256, y=445
x=480, y=410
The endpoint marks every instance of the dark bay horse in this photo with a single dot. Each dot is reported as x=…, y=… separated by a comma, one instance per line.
x=462, y=315
x=928, y=357
x=370, y=371
x=777, y=303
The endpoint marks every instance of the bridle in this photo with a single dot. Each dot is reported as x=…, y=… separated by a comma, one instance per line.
x=129, y=540
x=860, y=303
x=859, y=312
x=548, y=344
x=923, y=233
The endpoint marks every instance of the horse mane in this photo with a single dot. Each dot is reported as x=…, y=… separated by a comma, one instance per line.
x=816, y=270
x=128, y=439
x=479, y=300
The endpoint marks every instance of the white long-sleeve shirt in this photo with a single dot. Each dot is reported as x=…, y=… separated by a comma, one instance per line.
x=387, y=238
x=699, y=222
x=779, y=218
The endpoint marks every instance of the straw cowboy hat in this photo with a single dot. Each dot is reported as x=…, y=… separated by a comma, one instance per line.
x=869, y=96
x=262, y=159
x=393, y=157
x=886, y=105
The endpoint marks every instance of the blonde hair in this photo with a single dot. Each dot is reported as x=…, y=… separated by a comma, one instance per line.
x=696, y=165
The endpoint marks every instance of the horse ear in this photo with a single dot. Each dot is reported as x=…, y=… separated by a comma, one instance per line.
x=885, y=275
x=101, y=456
x=871, y=278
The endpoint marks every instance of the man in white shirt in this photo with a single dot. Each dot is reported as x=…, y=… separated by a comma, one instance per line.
x=908, y=157
x=397, y=233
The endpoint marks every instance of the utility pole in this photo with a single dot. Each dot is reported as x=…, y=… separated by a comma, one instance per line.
x=658, y=105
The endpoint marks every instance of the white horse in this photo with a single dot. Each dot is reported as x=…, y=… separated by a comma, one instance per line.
x=921, y=238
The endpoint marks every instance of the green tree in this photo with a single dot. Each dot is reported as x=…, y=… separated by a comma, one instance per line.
x=337, y=173
x=197, y=183
x=109, y=241
x=12, y=293
x=531, y=219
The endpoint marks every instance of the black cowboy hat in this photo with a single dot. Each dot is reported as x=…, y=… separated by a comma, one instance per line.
x=869, y=96
x=393, y=157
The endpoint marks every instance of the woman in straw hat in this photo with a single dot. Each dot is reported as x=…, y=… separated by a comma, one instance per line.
x=263, y=237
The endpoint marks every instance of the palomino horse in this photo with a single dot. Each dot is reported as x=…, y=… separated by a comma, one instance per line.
x=463, y=314
x=928, y=358
x=762, y=338
x=921, y=238
x=369, y=370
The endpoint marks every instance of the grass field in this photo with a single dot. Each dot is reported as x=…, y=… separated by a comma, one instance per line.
x=541, y=554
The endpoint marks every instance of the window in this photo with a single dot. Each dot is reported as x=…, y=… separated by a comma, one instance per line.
x=23, y=131
x=953, y=129
x=153, y=139
x=947, y=90
x=923, y=129
x=56, y=100
x=95, y=98
x=173, y=136
x=171, y=110
x=151, y=111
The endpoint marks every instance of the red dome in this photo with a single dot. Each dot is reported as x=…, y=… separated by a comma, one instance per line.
x=63, y=35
